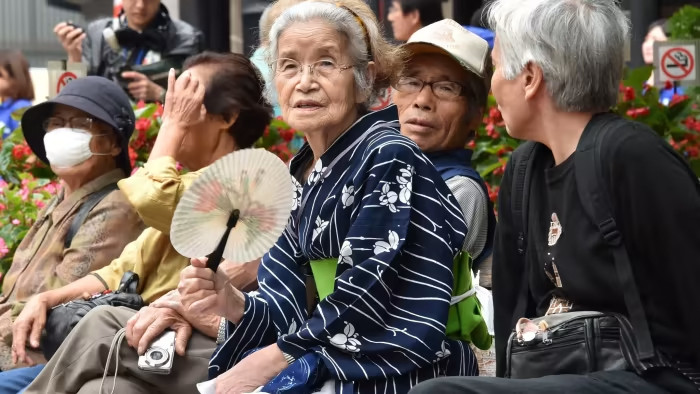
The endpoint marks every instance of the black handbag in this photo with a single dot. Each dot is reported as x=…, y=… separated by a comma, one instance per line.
x=63, y=318
x=576, y=343
x=582, y=342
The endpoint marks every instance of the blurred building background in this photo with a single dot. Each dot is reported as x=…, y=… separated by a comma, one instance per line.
x=27, y=25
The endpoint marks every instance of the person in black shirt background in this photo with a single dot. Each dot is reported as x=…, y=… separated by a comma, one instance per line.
x=558, y=67
x=143, y=34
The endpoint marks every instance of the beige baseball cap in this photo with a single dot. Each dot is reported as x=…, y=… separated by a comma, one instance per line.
x=449, y=37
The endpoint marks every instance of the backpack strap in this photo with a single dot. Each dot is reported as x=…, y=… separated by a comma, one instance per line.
x=92, y=200
x=595, y=200
x=522, y=160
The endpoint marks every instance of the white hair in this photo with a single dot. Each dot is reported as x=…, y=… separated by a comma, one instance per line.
x=344, y=22
x=578, y=44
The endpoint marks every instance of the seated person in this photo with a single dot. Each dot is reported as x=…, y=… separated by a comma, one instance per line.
x=236, y=116
x=83, y=134
x=16, y=89
x=440, y=97
x=143, y=34
x=558, y=258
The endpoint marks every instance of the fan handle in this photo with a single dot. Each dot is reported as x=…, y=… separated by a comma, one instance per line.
x=215, y=258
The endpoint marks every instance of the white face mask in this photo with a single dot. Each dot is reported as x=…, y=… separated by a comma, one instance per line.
x=67, y=147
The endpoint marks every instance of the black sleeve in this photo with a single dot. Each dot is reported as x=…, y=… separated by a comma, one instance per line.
x=657, y=202
x=507, y=269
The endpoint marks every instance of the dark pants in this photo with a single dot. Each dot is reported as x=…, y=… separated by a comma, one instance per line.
x=616, y=382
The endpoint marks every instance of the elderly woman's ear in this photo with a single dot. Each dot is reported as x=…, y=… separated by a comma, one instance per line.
x=364, y=96
x=224, y=122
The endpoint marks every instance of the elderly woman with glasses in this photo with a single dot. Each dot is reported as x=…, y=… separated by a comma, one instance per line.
x=83, y=134
x=354, y=295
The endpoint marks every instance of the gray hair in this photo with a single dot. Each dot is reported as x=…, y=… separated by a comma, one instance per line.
x=578, y=44
x=345, y=23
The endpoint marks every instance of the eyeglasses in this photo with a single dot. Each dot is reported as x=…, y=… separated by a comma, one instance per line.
x=289, y=68
x=76, y=122
x=441, y=89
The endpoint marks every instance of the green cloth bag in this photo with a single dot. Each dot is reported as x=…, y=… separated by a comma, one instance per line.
x=464, y=320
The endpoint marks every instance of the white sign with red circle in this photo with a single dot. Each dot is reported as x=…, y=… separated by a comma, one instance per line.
x=677, y=62
x=64, y=79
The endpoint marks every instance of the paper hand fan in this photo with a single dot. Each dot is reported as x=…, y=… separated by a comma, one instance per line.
x=236, y=209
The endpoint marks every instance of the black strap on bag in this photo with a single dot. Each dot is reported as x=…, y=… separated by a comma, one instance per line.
x=522, y=159
x=596, y=204
x=92, y=200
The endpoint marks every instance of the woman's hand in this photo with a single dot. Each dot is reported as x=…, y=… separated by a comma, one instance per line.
x=29, y=323
x=149, y=322
x=183, y=108
x=252, y=372
x=184, y=100
x=203, y=291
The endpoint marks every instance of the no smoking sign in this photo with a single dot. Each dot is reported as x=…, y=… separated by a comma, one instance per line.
x=676, y=61
x=64, y=79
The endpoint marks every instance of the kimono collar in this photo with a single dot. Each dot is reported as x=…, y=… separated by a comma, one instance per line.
x=449, y=161
x=388, y=116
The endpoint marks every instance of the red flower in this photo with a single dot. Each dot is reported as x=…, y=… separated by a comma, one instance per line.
x=677, y=99
x=629, y=93
x=636, y=112
x=159, y=110
x=692, y=151
x=140, y=104
x=143, y=124
x=471, y=144
x=287, y=134
x=132, y=156
x=267, y=131
x=668, y=85
x=18, y=152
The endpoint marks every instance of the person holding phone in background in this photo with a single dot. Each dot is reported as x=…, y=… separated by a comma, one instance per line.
x=143, y=34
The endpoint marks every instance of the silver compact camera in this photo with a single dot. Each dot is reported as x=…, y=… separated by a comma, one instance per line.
x=159, y=356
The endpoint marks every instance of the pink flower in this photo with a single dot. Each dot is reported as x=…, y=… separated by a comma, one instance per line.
x=39, y=204
x=24, y=193
x=16, y=222
x=51, y=188
x=4, y=250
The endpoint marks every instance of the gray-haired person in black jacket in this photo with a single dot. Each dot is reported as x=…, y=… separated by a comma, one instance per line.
x=558, y=68
x=143, y=34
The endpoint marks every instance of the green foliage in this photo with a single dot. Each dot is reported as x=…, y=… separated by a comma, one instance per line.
x=685, y=23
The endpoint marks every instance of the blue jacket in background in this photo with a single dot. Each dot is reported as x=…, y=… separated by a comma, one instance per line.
x=6, y=110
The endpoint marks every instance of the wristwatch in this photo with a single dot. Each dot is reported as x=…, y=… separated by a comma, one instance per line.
x=221, y=335
x=290, y=359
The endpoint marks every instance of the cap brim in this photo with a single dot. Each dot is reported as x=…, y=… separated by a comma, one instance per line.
x=33, y=129
x=417, y=48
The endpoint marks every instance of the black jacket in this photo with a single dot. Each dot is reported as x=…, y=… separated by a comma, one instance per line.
x=657, y=208
x=177, y=40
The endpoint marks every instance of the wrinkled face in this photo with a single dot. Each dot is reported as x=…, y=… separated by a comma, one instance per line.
x=434, y=123
x=403, y=25
x=104, y=139
x=326, y=99
x=655, y=34
x=139, y=13
x=510, y=96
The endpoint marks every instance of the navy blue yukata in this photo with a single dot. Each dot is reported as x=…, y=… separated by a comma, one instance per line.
x=375, y=203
